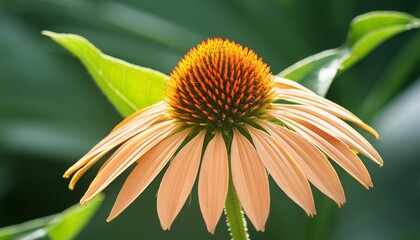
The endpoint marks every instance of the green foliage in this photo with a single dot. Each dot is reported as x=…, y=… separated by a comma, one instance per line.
x=367, y=31
x=127, y=86
x=65, y=225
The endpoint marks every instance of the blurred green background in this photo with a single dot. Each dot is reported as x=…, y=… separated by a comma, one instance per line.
x=51, y=112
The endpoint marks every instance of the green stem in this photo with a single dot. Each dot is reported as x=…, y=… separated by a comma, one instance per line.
x=234, y=215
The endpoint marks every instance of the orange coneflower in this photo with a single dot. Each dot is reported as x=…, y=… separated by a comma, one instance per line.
x=226, y=116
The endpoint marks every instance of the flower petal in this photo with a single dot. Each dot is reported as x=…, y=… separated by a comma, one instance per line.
x=284, y=170
x=79, y=173
x=311, y=99
x=333, y=147
x=136, y=123
x=148, y=167
x=313, y=162
x=250, y=180
x=334, y=126
x=178, y=180
x=138, y=146
x=284, y=83
x=213, y=182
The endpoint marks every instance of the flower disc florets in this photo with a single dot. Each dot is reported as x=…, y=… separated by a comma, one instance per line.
x=219, y=84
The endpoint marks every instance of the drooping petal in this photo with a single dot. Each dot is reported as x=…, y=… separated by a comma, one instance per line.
x=178, y=180
x=250, y=180
x=311, y=99
x=140, y=114
x=79, y=173
x=333, y=147
x=213, y=181
x=148, y=167
x=334, y=126
x=140, y=121
x=132, y=151
x=313, y=163
x=284, y=170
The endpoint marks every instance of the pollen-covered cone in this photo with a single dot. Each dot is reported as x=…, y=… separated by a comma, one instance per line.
x=224, y=112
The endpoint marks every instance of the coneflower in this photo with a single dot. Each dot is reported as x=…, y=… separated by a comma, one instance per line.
x=225, y=117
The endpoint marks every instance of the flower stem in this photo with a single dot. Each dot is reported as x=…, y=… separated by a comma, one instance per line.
x=234, y=215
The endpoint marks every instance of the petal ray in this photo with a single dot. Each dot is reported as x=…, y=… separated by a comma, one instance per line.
x=284, y=83
x=129, y=127
x=284, y=170
x=178, y=180
x=334, y=126
x=148, y=167
x=213, y=182
x=333, y=147
x=250, y=180
x=311, y=99
x=311, y=160
x=138, y=146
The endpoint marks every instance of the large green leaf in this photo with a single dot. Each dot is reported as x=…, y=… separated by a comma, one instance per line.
x=127, y=86
x=64, y=225
x=367, y=31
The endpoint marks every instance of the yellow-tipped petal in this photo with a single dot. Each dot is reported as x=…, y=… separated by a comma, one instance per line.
x=213, y=182
x=148, y=167
x=311, y=99
x=143, y=120
x=79, y=173
x=284, y=170
x=178, y=181
x=250, y=180
x=137, y=146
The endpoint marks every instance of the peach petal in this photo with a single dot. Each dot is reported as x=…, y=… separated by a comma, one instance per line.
x=142, y=120
x=284, y=170
x=213, y=181
x=178, y=180
x=334, y=126
x=250, y=180
x=138, y=146
x=148, y=167
x=313, y=163
x=333, y=147
x=284, y=83
x=311, y=99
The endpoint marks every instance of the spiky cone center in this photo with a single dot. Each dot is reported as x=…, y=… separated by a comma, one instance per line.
x=219, y=84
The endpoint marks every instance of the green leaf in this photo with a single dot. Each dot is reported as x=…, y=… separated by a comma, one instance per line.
x=367, y=31
x=65, y=225
x=393, y=79
x=127, y=86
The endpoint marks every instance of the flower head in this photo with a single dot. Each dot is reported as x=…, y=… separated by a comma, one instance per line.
x=224, y=115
